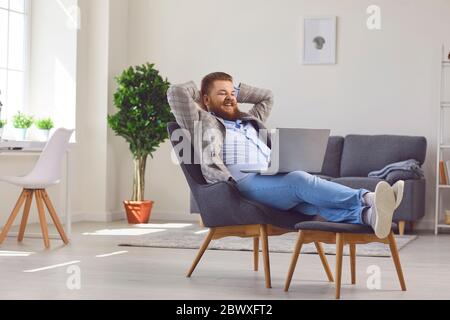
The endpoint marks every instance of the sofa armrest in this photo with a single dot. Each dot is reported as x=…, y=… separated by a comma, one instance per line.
x=397, y=175
x=412, y=207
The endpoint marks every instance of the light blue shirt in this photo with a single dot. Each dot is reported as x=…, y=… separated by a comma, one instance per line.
x=242, y=149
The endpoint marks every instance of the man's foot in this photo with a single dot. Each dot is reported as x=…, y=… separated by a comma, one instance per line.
x=398, y=191
x=369, y=197
x=383, y=209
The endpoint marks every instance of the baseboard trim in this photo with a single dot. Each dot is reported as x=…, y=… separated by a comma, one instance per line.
x=97, y=216
x=120, y=215
x=173, y=216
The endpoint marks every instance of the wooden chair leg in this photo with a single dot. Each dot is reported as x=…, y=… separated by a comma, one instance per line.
x=353, y=262
x=339, y=253
x=26, y=212
x=396, y=258
x=255, y=253
x=295, y=254
x=265, y=252
x=42, y=221
x=201, y=251
x=324, y=260
x=54, y=215
x=401, y=227
x=13, y=216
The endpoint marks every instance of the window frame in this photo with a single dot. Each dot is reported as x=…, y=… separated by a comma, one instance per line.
x=26, y=63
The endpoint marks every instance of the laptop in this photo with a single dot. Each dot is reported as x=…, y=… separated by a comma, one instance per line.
x=296, y=150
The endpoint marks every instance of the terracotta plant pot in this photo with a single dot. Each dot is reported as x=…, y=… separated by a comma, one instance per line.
x=138, y=211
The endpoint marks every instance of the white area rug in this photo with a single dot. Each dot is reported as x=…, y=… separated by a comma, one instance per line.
x=192, y=236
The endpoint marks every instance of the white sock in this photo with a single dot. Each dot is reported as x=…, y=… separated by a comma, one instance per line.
x=369, y=199
x=367, y=216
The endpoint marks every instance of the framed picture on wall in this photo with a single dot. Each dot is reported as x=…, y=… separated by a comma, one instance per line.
x=319, y=40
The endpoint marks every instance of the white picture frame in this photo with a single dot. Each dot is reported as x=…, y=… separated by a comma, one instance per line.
x=319, y=40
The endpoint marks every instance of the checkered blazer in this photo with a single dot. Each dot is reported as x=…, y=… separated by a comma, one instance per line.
x=185, y=102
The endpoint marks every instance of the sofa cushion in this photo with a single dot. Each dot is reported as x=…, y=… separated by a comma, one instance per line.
x=332, y=163
x=363, y=153
x=358, y=182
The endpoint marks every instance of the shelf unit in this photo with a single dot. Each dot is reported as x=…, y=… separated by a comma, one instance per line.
x=443, y=105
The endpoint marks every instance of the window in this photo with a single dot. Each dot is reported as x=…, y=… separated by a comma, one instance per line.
x=13, y=55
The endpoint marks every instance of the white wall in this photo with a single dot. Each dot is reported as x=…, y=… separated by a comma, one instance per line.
x=385, y=82
x=53, y=61
x=119, y=172
x=92, y=105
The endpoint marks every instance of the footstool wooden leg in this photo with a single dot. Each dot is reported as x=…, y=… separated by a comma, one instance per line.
x=396, y=258
x=339, y=253
x=353, y=262
x=323, y=258
x=298, y=248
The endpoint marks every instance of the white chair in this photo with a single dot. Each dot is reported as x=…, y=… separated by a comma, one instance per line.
x=46, y=173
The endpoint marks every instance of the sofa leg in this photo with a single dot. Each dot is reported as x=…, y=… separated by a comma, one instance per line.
x=401, y=227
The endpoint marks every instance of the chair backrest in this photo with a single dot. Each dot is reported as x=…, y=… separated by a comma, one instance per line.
x=192, y=171
x=48, y=166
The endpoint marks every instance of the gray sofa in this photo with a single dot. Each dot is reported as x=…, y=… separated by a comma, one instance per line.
x=349, y=160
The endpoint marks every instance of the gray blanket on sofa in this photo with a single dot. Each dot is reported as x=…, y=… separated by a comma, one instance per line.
x=403, y=170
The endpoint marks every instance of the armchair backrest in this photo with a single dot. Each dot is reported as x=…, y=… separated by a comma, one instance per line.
x=191, y=170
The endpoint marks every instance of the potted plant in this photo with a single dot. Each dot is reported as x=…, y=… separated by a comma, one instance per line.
x=44, y=126
x=144, y=112
x=21, y=123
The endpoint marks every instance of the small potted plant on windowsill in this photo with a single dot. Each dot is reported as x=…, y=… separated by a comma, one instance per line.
x=43, y=128
x=142, y=120
x=21, y=123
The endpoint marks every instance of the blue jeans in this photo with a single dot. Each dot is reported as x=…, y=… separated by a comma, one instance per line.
x=307, y=194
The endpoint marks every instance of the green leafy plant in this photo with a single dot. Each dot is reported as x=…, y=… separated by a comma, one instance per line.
x=3, y=123
x=22, y=121
x=144, y=112
x=44, y=124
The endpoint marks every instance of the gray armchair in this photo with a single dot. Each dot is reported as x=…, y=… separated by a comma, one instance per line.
x=226, y=213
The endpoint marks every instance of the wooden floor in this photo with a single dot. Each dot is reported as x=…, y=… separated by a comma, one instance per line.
x=156, y=273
